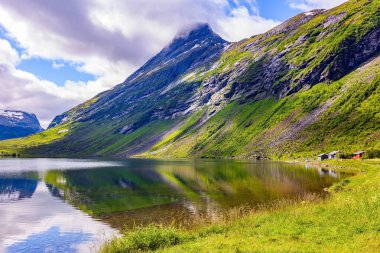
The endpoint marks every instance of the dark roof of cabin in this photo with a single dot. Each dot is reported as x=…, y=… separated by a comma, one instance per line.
x=322, y=154
x=359, y=152
x=334, y=152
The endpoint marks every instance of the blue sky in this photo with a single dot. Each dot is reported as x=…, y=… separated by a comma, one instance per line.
x=270, y=9
x=56, y=71
x=69, y=51
x=276, y=9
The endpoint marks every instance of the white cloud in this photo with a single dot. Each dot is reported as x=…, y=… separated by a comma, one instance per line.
x=108, y=39
x=24, y=91
x=240, y=24
x=307, y=5
x=8, y=55
x=56, y=65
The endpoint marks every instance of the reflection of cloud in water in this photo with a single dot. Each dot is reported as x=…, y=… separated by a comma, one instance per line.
x=51, y=240
x=333, y=173
x=324, y=172
x=42, y=164
x=22, y=219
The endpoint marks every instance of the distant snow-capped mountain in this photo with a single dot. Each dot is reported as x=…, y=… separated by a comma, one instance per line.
x=14, y=124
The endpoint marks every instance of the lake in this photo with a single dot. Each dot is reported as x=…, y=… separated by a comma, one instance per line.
x=72, y=205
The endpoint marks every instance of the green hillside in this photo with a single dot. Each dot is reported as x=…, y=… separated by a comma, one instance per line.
x=344, y=115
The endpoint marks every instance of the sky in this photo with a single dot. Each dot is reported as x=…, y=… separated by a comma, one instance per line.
x=55, y=55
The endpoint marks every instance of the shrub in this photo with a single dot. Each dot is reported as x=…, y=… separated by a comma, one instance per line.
x=345, y=155
x=148, y=238
x=372, y=153
x=339, y=186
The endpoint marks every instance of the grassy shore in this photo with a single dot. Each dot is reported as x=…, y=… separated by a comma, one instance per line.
x=347, y=221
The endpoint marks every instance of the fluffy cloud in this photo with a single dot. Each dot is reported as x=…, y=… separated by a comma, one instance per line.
x=23, y=90
x=108, y=39
x=8, y=55
x=246, y=23
x=56, y=65
x=306, y=5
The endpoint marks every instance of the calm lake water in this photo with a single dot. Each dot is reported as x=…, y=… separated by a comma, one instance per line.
x=68, y=205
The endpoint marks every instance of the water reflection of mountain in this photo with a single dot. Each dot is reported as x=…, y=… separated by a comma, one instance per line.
x=109, y=190
x=12, y=189
x=149, y=191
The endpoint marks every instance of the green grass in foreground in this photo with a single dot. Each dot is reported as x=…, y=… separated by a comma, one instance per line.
x=347, y=221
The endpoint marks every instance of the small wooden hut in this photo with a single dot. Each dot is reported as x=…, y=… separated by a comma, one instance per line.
x=358, y=155
x=333, y=155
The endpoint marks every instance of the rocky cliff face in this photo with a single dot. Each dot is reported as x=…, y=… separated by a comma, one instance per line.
x=313, y=47
x=198, y=77
x=15, y=124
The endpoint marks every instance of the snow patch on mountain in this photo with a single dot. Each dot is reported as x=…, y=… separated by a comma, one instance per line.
x=12, y=114
x=14, y=124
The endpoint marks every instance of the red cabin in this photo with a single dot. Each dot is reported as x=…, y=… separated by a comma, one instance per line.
x=358, y=155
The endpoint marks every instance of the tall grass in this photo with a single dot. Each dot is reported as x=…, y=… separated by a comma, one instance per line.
x=147, y=238
x=159, y=236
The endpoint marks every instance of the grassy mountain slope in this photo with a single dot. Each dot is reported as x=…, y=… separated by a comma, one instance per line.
x=307, y=86
x=344, y=115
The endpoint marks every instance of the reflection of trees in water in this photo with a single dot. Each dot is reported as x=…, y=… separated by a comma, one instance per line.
x=56, y=191
x=109, y=190
x=220, y=185
x=12, y=189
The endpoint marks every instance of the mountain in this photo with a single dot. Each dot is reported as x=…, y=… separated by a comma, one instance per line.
x=190, y=51
x=14, y=124
x=309, y=85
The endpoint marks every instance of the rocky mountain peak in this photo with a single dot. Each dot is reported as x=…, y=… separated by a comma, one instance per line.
x=193, y=47
x=195, y=32
x=191, y=39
